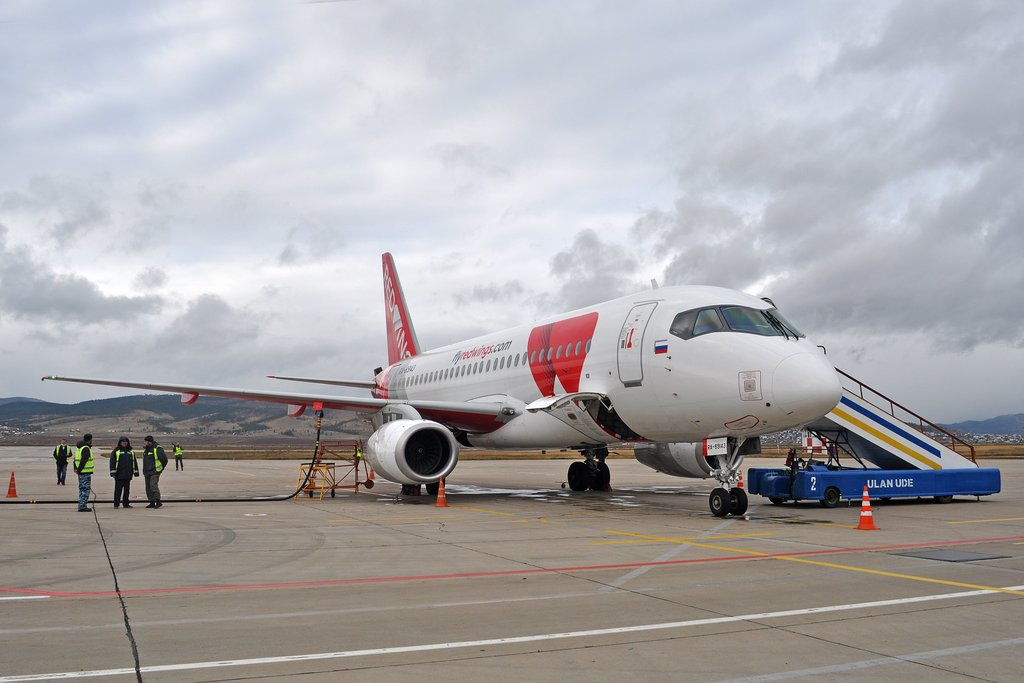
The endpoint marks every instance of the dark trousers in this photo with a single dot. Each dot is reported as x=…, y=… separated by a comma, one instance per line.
x=153, y=488
x=122, y=487
x=178, y=464
x=62, y=471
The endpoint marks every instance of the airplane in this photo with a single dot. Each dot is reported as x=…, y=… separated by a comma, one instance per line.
x=671, y=371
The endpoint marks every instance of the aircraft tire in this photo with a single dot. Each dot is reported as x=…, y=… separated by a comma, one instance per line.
x=737, y=501
x=602, y=479
x=579, y=476
x=720, y=502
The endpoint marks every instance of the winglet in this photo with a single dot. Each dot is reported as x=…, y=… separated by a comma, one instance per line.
x=402, y=342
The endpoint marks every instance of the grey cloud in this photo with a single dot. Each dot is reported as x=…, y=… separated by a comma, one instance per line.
x=932, y=33
x=592, y=270
x=512, y=289
x=34, y=291
x=879, y=198
x=151, y=278
x=475, y=159
x=69, y=208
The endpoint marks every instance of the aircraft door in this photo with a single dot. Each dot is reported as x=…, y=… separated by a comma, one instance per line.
x=631, y=338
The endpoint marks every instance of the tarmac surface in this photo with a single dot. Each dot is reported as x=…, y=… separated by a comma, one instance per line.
x=517, y=579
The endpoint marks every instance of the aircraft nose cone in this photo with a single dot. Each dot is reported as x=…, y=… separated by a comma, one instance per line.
x=805, y=386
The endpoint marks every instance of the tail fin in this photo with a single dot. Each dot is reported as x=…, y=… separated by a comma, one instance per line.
x=402, y=342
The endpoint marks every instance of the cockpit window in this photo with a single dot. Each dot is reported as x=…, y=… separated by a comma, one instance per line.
x=708, y=320
x=768, y=323
x=743, y=319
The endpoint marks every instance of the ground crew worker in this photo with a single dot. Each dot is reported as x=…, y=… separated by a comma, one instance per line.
x=178, y=452
x=123, y=466
x=153, y=462
x=84, y=465
x=61, y=454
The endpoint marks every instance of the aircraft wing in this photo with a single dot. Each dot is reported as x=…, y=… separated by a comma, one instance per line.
x=473, y=417
x=356, y=383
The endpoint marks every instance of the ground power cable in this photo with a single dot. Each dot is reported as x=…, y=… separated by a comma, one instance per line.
x=250, y=499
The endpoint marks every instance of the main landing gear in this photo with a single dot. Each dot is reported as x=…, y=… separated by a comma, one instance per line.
x=729, y=498
x=592, y=474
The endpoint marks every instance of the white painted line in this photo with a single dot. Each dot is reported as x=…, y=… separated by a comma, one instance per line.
x=913, y=657
x=432, y=647
x=27, y=597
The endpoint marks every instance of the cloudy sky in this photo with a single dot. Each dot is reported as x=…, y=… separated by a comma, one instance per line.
x=200, y=192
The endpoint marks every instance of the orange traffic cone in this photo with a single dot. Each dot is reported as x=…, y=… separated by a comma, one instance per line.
x=12, y=490
x=739, y=484
x=442, y=500
x=867, y=520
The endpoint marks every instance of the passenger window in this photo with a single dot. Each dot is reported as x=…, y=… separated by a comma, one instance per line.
x=558, y=352
x=588, y=345
x=550, y=351
x=578, y=344
x=533, y=357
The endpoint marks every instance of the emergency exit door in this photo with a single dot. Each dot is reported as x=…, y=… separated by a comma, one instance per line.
x=631, y=338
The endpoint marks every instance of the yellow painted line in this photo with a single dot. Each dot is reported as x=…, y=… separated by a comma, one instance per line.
x=886, y=438
x=832, y=565
x=986, y=521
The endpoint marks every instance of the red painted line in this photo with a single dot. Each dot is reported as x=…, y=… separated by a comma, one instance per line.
x=507, y=572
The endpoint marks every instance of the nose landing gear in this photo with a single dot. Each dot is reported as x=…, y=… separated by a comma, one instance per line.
x=725, y=502
x=729, y=499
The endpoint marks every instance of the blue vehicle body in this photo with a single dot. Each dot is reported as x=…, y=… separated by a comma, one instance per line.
x=830, y=485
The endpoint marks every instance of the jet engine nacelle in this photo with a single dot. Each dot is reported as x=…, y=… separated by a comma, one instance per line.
x=412, y=451
x=695, y=460
x=681, y=459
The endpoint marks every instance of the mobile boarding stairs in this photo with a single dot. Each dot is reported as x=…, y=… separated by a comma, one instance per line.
x=912, y=456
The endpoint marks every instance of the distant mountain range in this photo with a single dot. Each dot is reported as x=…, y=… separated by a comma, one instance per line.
x=211, y=420
x=1004, y=424
x=221, y=420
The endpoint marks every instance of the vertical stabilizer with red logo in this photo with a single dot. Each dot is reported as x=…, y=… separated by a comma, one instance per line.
x=402, y=342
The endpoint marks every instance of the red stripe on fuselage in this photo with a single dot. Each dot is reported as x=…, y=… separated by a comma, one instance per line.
x=561, y=338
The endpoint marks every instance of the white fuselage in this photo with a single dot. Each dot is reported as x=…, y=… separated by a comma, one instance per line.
x=660, y=387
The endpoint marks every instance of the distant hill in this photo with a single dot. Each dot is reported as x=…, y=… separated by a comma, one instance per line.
x=19, y=399
x=211, y=420
x=1004, y=424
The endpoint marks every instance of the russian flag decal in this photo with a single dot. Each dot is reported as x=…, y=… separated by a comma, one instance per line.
x=661, y=346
